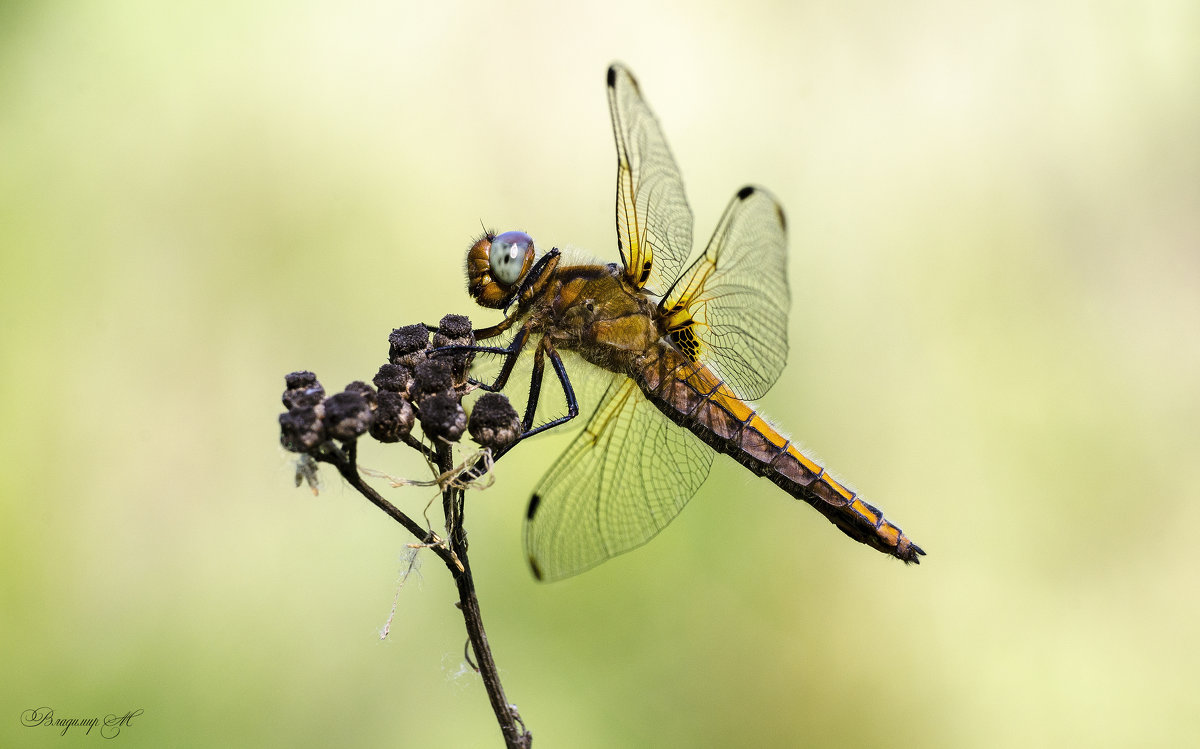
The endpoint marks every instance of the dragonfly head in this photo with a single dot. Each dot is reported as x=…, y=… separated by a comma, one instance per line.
x=497, y=267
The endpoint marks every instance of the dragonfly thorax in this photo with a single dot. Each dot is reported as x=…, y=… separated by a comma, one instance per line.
x=595, y=313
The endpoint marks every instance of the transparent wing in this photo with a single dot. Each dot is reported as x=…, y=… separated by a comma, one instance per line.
x=654, y=222
x=622, y=480
x=730, y=307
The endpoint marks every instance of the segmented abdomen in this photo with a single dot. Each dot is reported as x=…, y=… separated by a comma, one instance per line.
x=691, y=395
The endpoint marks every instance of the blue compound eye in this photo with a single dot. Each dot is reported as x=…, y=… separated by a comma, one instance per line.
x=510, y=256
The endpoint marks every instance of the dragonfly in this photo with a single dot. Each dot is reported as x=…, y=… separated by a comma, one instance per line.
x=686, y=347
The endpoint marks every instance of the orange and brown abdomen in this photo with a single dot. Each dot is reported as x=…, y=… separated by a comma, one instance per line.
x=694, y=397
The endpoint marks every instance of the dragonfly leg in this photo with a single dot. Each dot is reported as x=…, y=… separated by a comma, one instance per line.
x=491, y=331
x=533, y=279
x=511, y=352
x=494, y=330
x=546, y=348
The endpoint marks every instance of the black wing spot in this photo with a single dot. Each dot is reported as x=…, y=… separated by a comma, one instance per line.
x=534, y=502
x=612, y=75
x=745, y=192
x=685, y=340
x=537, y=571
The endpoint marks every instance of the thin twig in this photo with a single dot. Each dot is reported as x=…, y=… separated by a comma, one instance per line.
x=454, y=555
x=346, y=467
x=515, y=735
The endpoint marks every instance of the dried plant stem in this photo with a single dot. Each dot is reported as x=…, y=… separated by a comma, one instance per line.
x=511, y=725
x=454, y=554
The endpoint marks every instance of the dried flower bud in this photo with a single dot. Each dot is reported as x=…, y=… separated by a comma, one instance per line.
x=393, y=377
x=455, y=327
x=303, y=390
x=300, y=429
x=363, y=389
x=347, y=415
x=494, y=422
x=455, y=330
x=393, y=417
x=408, y=345
x=442, y=416
x=430, y=377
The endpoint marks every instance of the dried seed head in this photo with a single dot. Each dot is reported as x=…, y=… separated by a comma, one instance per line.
x=347, y=415
x=455, y=330
x=301, y=379
x=393, y=377
x=494, y=422
x=363, y=389
x=442, y=416
x=393, y=417
x=407, y=345
x=300, y=429
x=455, y=327
x=430, y=377
x=303, y=390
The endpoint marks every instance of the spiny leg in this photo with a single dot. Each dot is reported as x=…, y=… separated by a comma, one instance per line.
x=510, y=353
x=546, y=348
x=484, y=333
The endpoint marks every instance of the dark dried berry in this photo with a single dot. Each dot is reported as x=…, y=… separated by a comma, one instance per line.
x=347, y=415
x=393, y=417
x=442, y=417
x=494, y=422
x=455, y=327
x=431, y=376
x=363, y=389
x=393, y=377
x=300, y=429
x=303, y=390
x=455, y=330
x=301, y=379
x=407, y=345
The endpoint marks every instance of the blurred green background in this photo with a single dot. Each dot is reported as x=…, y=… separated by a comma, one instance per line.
x=995, y=264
